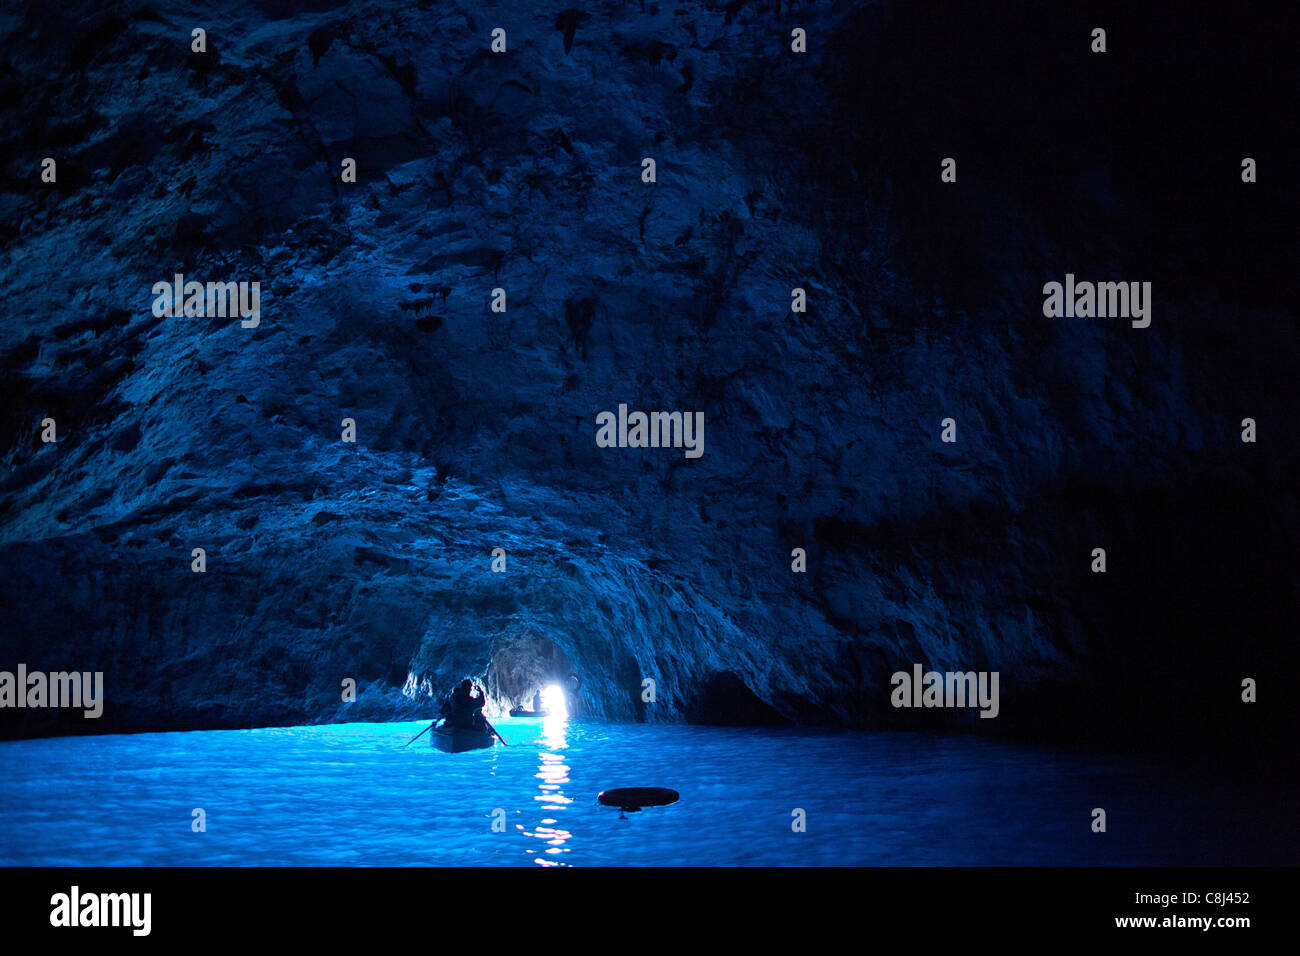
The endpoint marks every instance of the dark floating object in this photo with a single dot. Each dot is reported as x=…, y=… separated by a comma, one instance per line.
x=632, y=799
x=454, y=740
x=520, y=712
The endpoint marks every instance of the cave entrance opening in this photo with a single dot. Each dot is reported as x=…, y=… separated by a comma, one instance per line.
x=531, y=671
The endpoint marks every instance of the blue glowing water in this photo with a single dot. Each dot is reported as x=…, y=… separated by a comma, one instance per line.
x=352, y=794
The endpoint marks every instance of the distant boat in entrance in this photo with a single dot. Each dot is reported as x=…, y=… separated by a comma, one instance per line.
x=521, y=712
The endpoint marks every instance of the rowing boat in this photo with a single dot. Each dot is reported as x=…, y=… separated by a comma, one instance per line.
x=455, y=740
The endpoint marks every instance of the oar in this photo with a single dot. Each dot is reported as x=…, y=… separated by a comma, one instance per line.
x=494, y=730
x=421, y=733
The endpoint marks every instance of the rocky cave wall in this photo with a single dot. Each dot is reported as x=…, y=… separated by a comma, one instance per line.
x=475, y=429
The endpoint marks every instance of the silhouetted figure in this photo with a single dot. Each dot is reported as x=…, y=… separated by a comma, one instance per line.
x=465, y=711
x=523, y=711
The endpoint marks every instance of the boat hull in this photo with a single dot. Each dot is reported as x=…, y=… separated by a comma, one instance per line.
x=453, y=740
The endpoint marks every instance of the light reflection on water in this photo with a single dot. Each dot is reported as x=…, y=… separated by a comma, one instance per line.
x=554, y=774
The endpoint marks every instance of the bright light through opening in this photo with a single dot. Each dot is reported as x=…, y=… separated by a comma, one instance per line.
x=553, y=702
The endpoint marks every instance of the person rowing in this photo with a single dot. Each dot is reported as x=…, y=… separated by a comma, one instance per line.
x=462, y=716
x=463, y=710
